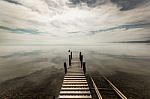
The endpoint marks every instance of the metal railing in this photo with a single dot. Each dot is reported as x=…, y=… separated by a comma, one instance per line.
x=96, y=89
x=115, y=89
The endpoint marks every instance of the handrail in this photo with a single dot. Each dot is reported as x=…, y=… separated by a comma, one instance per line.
x=96, y=89
x=115, y=89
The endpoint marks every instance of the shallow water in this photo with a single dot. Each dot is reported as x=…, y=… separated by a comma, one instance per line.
x=106, y=59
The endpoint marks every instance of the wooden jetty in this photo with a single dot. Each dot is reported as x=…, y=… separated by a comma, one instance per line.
x=76, y=86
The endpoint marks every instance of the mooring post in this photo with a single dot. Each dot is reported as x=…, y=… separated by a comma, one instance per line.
x=81, y=60
x=53, y=97
x=84, y=68
x=69, y=60
x=65, y=67
x=80, y=56
x=71, y=55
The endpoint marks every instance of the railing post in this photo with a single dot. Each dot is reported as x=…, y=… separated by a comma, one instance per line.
x=84, y=68
x=69, y=60
x=65, y=67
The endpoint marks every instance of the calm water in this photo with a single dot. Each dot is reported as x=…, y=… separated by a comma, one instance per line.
x=107, y=59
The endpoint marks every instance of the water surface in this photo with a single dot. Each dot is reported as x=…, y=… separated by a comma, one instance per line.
x=126, y=65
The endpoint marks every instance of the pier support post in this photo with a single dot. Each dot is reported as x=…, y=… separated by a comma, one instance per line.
x=84, y=68
x=69, y=60
x=80, y=56
x=81, y=60
x=71, y=55
x=65, y=67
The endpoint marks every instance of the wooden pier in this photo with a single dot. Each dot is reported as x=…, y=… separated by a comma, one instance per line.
x=76, y=86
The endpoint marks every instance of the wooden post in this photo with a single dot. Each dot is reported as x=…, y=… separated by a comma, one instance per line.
x=53, y=97
x=81, y=60
x=84, y=68
x=65, y=67
x=69, y=60
x=71, y=55
x=80, y=56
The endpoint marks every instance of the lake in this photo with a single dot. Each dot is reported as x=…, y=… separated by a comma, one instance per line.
x=32, y=68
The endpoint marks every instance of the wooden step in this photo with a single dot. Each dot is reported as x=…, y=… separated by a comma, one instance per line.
x=74, y=81
x=76, y=89
x=81, y=85
x=75, y=97
x=74, y=78
x=75, y=74
x=74, y=92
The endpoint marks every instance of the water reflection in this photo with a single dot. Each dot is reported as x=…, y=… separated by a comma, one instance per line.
x=108, y=59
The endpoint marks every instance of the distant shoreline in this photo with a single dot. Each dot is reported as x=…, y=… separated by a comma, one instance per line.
x=138, y=42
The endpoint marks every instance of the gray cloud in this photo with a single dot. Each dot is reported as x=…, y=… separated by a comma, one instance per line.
x=13, y=1
x=130, y=26
x=147, y=25
x=20, y=30
x=22, y=4
x=122, y=4
x=90, y=3
x=128, y=4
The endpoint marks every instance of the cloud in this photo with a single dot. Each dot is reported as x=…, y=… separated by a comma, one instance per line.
x=129, y=4
x=89, y=3
x=71, y=21
x=13, y=1
x=132, y=26
x=18, y=30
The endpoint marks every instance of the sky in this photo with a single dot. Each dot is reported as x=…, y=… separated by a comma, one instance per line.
x=74, y=21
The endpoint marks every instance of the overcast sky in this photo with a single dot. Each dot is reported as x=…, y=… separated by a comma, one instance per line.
x=73, y=21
